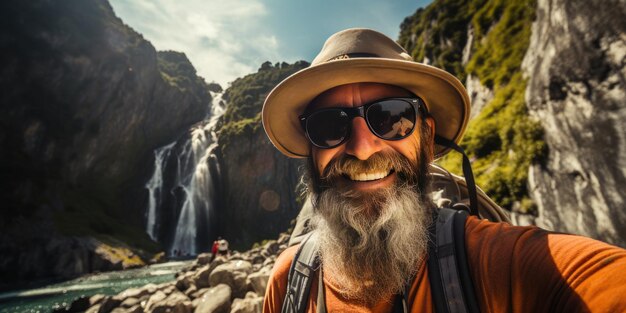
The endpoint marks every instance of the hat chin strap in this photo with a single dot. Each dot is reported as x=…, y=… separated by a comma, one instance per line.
x=467, y=171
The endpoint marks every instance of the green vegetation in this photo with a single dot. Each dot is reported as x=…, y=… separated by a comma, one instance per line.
x=502, y=141
x=177, y=71
x=245, y=99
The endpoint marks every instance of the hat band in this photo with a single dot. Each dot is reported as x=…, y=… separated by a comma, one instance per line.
x=353, y=55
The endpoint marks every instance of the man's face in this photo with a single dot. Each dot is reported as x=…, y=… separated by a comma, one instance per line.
x=362, y=143
x=370, y=201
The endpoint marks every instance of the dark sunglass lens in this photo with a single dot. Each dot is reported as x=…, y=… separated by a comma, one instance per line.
x=391, y=119
x=327, y=128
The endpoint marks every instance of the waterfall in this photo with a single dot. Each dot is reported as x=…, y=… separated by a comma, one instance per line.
x=190, y=193
x=155, y=188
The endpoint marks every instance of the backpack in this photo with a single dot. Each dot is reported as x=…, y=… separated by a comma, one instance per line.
x=449, y=275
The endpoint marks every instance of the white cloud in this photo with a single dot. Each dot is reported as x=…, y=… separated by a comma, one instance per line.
x=222, y=39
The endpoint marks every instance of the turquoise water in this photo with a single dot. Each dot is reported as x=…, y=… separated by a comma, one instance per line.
x=48, y=298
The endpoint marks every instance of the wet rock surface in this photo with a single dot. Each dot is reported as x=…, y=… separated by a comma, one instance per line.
x=233, y=283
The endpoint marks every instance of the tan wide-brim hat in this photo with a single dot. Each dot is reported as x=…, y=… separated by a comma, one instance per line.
x=362, y=55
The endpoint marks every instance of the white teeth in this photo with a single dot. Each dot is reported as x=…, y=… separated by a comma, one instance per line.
x=367, y=176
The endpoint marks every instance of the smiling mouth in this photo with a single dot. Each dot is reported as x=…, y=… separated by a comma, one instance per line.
x=365, y=177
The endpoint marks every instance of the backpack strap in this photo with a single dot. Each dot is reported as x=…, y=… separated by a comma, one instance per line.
x=301, y=273
x=448, y=272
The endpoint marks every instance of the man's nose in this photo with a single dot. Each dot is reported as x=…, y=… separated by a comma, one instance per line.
x=362, y=142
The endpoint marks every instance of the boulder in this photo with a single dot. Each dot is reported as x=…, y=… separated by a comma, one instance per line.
x=252, y=303
x=157, y=297
x=271, y=247
x=257, y=259
x=191, y=290
x=93, y=309
x=233, y=274
x=199, y=293
x=184, y=281
x=204, y=258
x=135, y=309
x=216, y=300
x=176, y=302
x=96, y=299
x=258, y=281
x=138, y=292
x=130, y=302
x=269, y=261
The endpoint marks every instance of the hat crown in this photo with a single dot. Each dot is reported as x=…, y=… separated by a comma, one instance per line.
x=359, y=42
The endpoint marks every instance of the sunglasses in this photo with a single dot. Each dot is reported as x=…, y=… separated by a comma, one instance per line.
x=389, y=119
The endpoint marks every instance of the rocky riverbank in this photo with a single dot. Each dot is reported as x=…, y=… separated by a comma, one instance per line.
x=234, y=284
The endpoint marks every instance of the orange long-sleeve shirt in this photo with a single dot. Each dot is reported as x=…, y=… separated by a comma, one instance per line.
x=514, y=269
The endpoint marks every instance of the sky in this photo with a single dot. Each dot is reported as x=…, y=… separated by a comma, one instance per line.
x=227, y=39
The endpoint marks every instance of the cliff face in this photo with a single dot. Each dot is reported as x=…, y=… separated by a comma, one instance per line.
x=550, y=142
x=85, y=101
x=483, y=42
x=258, y=184
x=576, y=68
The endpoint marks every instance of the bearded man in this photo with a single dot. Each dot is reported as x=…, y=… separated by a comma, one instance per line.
x=366, y=117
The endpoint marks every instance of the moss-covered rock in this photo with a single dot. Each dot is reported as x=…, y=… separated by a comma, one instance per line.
x=502, y=141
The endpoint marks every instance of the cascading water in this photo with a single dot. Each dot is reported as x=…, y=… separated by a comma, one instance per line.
x=155, y=188
x=190, y=196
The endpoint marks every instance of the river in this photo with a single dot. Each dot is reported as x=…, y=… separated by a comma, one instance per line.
x=48, y=298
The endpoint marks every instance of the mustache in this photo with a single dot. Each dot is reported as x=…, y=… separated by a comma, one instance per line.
x=384, y=161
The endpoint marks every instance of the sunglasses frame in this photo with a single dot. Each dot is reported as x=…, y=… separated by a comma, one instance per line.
x=352, y=112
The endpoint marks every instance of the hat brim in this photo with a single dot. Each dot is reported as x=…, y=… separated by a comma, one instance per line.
x=445, y=97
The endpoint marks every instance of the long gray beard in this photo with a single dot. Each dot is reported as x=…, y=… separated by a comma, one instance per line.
x=372, y=243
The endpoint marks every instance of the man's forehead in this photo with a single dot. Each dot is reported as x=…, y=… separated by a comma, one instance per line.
x=356, y=94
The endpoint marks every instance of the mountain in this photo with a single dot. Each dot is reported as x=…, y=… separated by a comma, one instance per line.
x=259, y=185
x=545, y=79
x=85, y=101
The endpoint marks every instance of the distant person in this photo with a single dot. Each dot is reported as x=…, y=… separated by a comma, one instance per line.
x=222, y=247
x=215, y=247
x=379, y=243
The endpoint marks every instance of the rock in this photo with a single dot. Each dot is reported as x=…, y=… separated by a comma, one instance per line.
x=93, y=309
x=199, y=293
x=259, y=281
x=576, y=70
x=191, y=290
x=252, y=303
x=201, y=277
x=137, y=293
x=135, y=309
x=216, y=300
x=169, y=289
x=204, y=258
x=269, y=261
x=108, y=304
x=479, y=94
x=271, y=247
x=176, y=302
x=256, y=259
x=157, y=297
x=95, y=299
x=234, y=274
x=283, y=239
x=130, y=302
x=185, y=281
